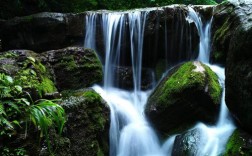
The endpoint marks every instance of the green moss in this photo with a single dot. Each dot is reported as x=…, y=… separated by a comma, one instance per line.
x=220, y=34
x=34, y=75
x=185, y=78
x=46, y=86
x=182, y=79
x=92, y=96
x=234, y=144
x=214, y=86
x=237, y=145
x=68, y=63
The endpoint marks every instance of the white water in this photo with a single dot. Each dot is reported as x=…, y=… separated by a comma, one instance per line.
x=130, y=133
x=213, y=138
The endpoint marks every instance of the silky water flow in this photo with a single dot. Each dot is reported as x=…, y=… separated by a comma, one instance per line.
x=130, y=132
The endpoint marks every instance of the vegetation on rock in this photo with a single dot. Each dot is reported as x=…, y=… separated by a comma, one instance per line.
x=88, y=114
x=74, y=67
x=189, y=93
x=239, y=143
x=18, y=111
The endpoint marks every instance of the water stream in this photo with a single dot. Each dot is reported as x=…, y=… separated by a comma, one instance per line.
x=130, y=132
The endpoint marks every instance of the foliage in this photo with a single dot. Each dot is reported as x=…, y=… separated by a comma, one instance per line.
x=12, y=8
x=13, y=152
x=17, y=110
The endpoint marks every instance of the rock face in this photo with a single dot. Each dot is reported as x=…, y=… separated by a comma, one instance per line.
x=224, y=23
x=237, y=43
x=240, y=143
x=165, y=26
x=25, y=66
x=43, y=31
x=73, y=67
x=123, y=78
x=187, y=143
x=87, y=126
x=189, y=93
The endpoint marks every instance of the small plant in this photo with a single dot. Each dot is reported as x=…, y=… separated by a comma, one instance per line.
x=17, y=109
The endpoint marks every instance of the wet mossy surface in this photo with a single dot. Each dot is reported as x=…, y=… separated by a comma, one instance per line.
x=74, y=67
x=239, y=144
x=189, y=93
x=89, y=115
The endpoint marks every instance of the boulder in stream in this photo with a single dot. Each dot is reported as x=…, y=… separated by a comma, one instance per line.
x=188, y=94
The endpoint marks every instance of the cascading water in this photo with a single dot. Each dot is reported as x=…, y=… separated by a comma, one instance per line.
x=213, y=138
x=130, y=133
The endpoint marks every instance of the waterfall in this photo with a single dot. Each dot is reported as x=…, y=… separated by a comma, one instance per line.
x=213, y=138
x=130, y=132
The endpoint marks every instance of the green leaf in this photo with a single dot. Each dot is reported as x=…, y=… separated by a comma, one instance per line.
x=9, y=79
x=18, y=88
x=2, y=112
x=25, y=101
x=31, y=58
x=16, y=123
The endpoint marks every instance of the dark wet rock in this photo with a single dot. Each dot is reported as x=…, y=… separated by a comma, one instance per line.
x=239, y=67
x=43, y=31
x=188, y=143
x=188, y=94
x=87, y=126
x=123, y=78
x=223, y=27
x=73, y=67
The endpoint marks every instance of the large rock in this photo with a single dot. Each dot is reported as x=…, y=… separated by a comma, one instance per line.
x=239, y=67
x=188, y=94
x=73, y=67
x=26, y=68
x=42, y=31
x=87, y=126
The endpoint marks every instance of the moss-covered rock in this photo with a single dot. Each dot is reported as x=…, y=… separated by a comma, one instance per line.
x=239, y=144
x=74, y=67
x=27, y=69
x=189, y=93
x=87, y=126
x=223, y=26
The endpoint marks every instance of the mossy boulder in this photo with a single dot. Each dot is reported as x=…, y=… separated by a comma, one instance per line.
x=74, y=67
x=26, y=68
x=239, y=69
x=86, y=131
x=239, y=144
x=188, y=94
